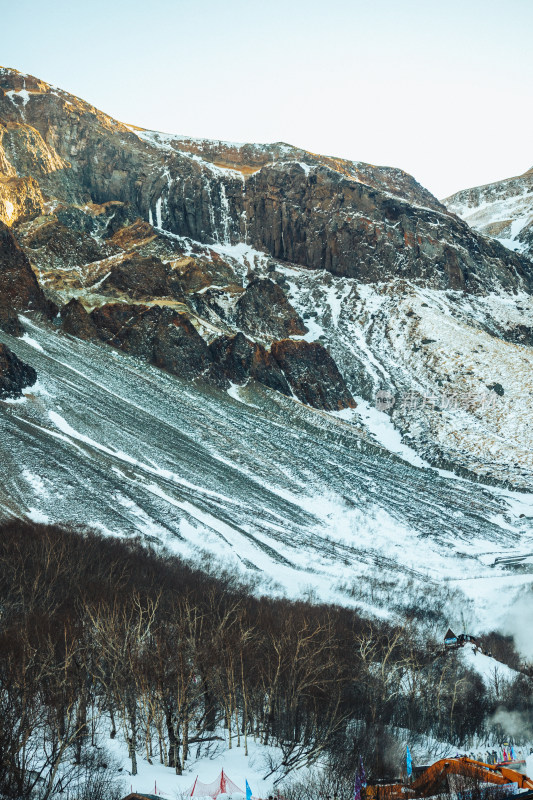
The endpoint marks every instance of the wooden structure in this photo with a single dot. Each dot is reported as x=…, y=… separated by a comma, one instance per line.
x=452, y=642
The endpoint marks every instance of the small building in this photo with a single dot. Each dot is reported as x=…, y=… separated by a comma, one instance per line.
x=452, y=642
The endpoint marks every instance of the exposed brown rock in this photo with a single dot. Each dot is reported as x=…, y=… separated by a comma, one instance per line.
x=236, y=359
x=14, y=373
x=19, y=290
x=60, y=246
x=263, y=310
x=138, y=277
x=160, y=335
x=19, y=198
x=134, y=235
x=312, y=374
x=77, y=321
x=352, y=219
x=178, y=347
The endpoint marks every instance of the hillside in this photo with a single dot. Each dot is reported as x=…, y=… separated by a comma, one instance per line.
x=269, y=303
x=501, y=210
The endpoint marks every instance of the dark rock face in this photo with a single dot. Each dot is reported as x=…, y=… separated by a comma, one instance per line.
x=138, y=277
x=519, y=334
x=312, y=374
x=326, y=221
x=263, y=309
x=70, y=247
x=236, y=359
x=14, y=374
x=162, y=336
x=76, y=321
x=19, y=290
x=178, y=347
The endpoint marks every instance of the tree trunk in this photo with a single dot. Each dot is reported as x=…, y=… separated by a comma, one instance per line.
x=174, y=745
x=132, y=741
x=210, y=711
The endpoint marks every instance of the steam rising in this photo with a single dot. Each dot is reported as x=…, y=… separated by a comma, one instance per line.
x=515, y=724
x=519, y=624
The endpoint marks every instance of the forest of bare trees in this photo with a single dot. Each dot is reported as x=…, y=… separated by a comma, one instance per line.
x=104, y=637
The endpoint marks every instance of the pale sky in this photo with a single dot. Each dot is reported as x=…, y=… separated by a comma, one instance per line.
x=443, y=90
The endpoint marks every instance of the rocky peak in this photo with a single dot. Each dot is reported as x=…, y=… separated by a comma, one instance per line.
x=352, y=219
x=172, y=242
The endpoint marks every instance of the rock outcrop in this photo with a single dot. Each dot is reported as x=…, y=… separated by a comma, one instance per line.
x=53, y=245
x=263, y=310
x=19, y=289
x=312, y=374
x=138, y=277
x=15, y=375
x=162, y=336
x=236, y=359
x=76, y=321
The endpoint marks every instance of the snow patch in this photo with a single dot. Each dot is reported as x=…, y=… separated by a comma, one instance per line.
x=37, y=516
x=35, y=482
x=10, y=209
x=32, y=342
x=22, y=93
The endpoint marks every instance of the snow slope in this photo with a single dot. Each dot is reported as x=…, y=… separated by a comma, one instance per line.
x=303, y=502
x=489, y=668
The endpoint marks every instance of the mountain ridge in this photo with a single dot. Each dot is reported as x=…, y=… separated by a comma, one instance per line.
x=314, y=215
x=502, y=210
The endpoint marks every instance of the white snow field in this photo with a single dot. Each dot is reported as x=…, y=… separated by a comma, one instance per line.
x=157, y=779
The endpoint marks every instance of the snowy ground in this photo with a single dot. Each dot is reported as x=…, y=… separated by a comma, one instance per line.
x=489, y=669
x=163, y=781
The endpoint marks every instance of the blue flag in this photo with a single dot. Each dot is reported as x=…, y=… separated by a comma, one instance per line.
x=409, y=761
x=362, y=773
x=248, y=791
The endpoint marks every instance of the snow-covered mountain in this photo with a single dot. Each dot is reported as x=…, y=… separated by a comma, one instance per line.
x=303, y=365
x=501, y=210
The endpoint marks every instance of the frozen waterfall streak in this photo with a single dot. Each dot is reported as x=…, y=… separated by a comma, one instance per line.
x=243, y=212
x=225, y=214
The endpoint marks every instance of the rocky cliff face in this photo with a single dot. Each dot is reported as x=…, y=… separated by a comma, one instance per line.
x=19, y=289
x=501, y=210
x=15, y=375
x=351, y=219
